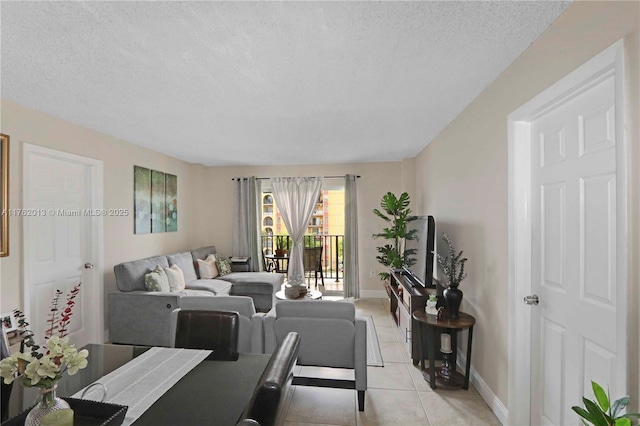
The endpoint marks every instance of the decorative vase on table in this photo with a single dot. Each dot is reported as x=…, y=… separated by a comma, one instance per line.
x=453, y=267
x=453, y=297
x=48, y=403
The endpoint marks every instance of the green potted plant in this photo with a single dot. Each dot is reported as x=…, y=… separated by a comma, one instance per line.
x=397, y=214
x=601, y=413
x=453, y=268
x=281, y=245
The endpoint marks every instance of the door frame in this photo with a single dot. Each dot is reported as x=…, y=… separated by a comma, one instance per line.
x=96, y=226
x=605, y=64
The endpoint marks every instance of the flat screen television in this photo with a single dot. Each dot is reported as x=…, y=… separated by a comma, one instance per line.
x=421, y=272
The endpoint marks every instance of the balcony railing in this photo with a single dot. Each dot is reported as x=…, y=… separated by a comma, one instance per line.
x=332, y=251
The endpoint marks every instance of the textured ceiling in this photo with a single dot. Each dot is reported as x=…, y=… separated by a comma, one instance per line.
x=248, y=83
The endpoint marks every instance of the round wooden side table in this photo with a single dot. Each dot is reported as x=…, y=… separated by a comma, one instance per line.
x=429, y=323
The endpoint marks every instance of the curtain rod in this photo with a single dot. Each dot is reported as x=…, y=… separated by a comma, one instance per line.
x=324, y=177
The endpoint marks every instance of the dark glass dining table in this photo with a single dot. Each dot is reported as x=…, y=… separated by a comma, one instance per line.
x=213, y=392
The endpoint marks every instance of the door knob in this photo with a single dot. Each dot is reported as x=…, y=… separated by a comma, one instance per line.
x=532, y=300
x=88, y=265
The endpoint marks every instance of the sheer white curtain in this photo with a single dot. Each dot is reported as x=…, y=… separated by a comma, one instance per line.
x=351, y=275
x=247, y=238
x=296, y=198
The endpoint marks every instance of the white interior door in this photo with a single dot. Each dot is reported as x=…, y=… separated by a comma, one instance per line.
x=573, y=254
x=61, y=240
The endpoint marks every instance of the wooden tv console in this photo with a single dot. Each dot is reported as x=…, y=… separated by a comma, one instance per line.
x=407, y=297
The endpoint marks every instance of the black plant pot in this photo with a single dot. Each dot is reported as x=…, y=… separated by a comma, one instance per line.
x=453, y=297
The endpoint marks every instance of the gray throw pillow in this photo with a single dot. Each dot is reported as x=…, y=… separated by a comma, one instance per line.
x=224, y=265
x=157, y=280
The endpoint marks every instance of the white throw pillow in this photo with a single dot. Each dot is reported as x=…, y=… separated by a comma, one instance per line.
x=207, y=267
x=176, y=278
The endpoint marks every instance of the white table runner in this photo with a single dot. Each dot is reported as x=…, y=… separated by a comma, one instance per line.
x=143, y=380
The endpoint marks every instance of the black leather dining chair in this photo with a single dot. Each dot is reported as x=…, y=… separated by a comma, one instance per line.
x=268, y=400
x=212, y=330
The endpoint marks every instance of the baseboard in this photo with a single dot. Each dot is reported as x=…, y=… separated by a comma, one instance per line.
x=498, y=408
x=374, y=294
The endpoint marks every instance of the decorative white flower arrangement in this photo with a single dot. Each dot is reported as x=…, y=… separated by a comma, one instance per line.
x=43, y=367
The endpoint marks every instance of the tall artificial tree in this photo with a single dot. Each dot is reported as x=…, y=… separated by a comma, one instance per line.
x=397, y=214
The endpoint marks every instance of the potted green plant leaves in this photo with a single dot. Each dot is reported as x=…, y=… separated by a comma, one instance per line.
x=601, y=413
x=281, y=245
x=397, y=214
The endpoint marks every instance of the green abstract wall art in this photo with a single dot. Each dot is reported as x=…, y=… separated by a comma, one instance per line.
x=155, y=201
x=142, y=200
x=171, y=202
x=158, y=205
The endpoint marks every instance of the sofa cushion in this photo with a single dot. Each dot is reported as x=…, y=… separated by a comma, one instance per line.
x=217, y=287
x=316, y=309
x=176, y=278
x=223, y=264
x=321, y=336
x=207, y=268
x=130, y=275
x=247, y=279
x=184, y=262
x=157, y=280
x=202, y=254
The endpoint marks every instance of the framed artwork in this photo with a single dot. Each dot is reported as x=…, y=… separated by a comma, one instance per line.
x=158, y=202
x=155, y=201
x=141, y=200
x=4, y=197
x=9, y=323
x=171, y=202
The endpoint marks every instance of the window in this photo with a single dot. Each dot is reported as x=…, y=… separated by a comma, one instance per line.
x=325, y=228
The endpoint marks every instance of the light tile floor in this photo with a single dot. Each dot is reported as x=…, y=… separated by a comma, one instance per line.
x=397, y=394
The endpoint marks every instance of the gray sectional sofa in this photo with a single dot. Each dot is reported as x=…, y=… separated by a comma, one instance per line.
x=141, y=317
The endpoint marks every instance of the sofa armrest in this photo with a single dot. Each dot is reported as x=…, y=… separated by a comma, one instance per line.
x=173, y=326
x=257, y=333
x=141, y=317
x=268, y=325
x=360, y=362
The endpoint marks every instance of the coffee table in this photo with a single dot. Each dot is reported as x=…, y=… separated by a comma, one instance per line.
x=311, y=295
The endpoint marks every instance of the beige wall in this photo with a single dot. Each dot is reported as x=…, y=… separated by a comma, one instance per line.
x=376, y=180
x=25, y=125
x=462, y=174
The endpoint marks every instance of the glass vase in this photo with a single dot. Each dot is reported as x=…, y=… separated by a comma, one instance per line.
x=48, y=403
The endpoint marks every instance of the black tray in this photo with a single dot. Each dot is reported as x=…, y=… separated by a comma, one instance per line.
x=85, y=413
